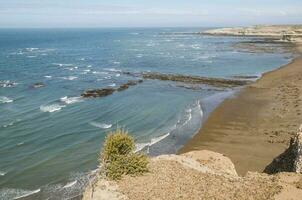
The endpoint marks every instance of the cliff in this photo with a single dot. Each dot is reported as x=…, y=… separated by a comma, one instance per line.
x=284, y=32
x=204, y=175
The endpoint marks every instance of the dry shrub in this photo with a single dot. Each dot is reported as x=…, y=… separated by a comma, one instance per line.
x=118, y=157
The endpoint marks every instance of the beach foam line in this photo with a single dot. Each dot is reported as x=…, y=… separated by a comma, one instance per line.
x=28, y=194
x=51, y=108
x=101, y=125
x=199, y=107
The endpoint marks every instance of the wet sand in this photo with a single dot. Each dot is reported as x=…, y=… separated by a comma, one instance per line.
x=254, y=127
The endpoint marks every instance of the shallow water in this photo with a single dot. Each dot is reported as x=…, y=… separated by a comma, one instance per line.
x=50, y=137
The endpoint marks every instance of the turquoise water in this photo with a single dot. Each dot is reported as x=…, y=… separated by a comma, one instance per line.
x=50, y=137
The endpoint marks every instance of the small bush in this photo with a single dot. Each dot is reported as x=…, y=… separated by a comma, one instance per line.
x=118, y=157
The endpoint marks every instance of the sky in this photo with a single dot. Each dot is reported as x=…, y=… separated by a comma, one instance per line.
x=147, y=13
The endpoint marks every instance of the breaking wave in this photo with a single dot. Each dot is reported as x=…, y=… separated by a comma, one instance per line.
x=140, y=146
x=70, y=78
x=51, y=108
x=28, y=194
x=5, y=99
x=100, y=125
x=112, y=70
x=62, y=64
x=7, y=84
x=70, y=184
x=189, y=122
x=71, y=100
x=11, y=124
x=2, y=173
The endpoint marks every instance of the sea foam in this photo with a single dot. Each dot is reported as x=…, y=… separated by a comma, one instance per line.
x=141, y=146
x=51, y=108
x=7, y=84
x=101, y=125
x=68, y=185
x=28, y=194
x=71, y=100
x=5, y=99
x=2, y=173
x=70, y=78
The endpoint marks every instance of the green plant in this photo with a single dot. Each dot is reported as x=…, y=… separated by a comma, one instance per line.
x=118, y=157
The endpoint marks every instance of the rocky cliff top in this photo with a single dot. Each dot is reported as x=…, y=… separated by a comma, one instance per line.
x=205, y=175
x=285, y=32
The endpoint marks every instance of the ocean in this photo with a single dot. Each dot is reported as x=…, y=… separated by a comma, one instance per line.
x=50, y=137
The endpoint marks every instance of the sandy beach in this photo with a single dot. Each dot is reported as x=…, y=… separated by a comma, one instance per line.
x=254, y=126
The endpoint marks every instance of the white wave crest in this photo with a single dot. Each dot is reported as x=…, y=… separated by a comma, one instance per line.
x=62, y=64
x=28, y=194
x=51, y=108
x=71, y=100
x=48, y=76
x=141, y=146
x=31, y=49
x=11, y=123
x=70, y=78
x=112, y=85
x=10, y=193
x=95, y=72
x=112, y=70
x=2, y=173
x=5, y=99
x=70, y=184
x=7, y=84
x=101, y=125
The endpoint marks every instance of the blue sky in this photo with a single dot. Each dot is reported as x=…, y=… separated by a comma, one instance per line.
x=147, y=13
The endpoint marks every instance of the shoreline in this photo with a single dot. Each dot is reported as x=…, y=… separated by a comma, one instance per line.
x=254, y=126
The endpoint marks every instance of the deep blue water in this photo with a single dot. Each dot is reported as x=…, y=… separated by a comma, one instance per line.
x=50, y=137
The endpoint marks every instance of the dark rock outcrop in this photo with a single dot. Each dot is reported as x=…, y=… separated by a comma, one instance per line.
x=38, y=85
x=108, y=91
x=98, y=92
x=290, y=160
x=217, y=82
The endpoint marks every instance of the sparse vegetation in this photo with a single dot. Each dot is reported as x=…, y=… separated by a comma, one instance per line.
x=118, y=157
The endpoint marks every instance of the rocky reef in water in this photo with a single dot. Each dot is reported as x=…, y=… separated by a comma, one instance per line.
x=190, y=81
x=216, y=82
x=93, y=93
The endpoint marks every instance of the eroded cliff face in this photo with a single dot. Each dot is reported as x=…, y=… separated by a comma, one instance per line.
x=206, y=175
x=290, y=160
